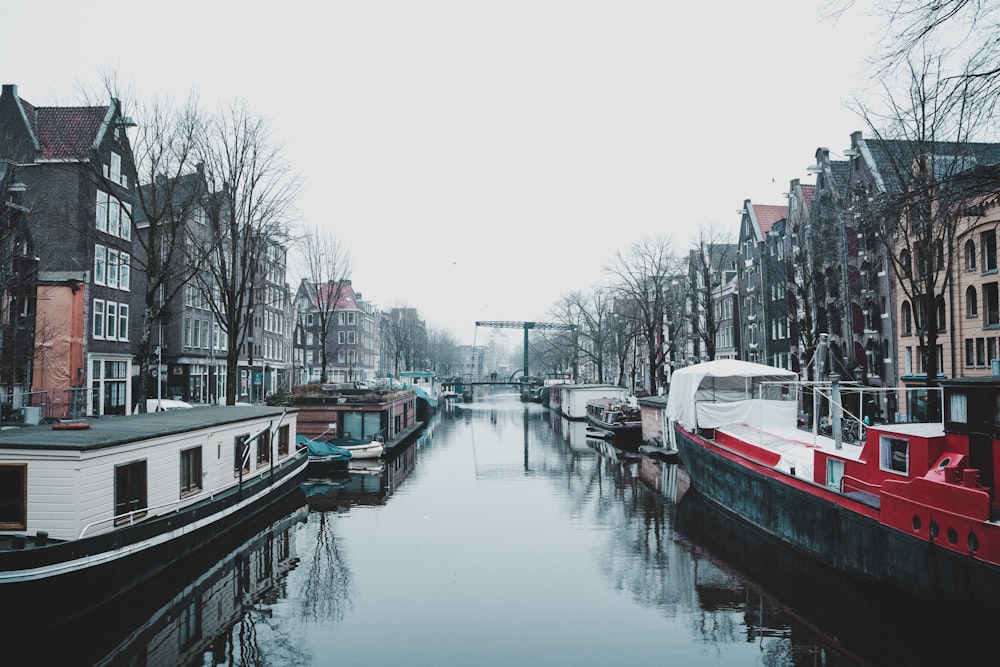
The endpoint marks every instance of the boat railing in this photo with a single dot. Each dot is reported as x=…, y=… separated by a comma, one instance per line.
x=850, y=484
x=130, y=518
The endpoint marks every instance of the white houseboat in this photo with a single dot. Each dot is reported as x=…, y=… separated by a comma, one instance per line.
x=90, y=510
x=575, y=397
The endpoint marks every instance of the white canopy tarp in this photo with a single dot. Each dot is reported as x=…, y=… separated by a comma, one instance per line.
x=729, y=391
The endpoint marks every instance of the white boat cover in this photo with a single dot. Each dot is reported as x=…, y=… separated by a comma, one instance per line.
x=730, y=391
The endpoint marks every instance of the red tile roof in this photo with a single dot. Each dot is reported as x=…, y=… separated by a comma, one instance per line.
x=768, y=215
x=65, y=132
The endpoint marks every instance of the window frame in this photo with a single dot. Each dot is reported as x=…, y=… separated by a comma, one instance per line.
x=10, y=496
x=125, y=498
x=191, y=462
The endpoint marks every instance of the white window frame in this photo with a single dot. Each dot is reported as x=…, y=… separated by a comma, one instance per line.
x=124, y=272
x=101, y=211
x=97, y=326
x=110, y=320
x=100, y=264
x=123, y=321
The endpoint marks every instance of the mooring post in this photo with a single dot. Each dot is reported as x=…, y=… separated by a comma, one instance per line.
x=835, y=400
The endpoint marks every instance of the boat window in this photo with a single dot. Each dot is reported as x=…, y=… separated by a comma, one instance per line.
x=283, y=441
x=894, y=454
x=834, y=473
x=945, y=462
x=130, y=489
x=13, y=496
x=190, y=471
x=958, y=410
x=241, y=454
x=264, y=448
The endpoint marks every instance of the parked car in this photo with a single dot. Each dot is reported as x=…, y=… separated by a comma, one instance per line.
x=163, y=404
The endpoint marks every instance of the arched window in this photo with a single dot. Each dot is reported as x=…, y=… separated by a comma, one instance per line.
x=971, y=303
x=970, y=255
x=907, y=318
x=939, y=313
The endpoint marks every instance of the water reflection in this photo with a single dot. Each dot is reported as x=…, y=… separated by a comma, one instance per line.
x=504, y=535
x=207, y=608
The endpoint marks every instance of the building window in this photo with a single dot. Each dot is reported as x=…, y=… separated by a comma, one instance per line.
x=100, y=264
x=988, y=240
x=98, y=331
x=111, y=320
x=124, y=261
x=970, y=354
x=190, y=471
x=130, y=490
x=991, y=301
x=970, y=255
x=904, y=263
x=907, y=318
x=980, y=351
x=101, y=211
x=971, y=302
x=123, y=321
x=116, y=174
x=13, y=496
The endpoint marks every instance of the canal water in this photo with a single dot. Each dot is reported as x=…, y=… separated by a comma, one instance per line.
x=503, y=536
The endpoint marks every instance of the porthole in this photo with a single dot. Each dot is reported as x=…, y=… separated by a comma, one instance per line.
x=952, y=536
x=916, y=523
x=944, y=462
x=934, y=529
x=973, y=543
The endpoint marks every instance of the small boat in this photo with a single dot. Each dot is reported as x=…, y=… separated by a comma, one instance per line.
x=359, y=449
x=658, y=453
x=911, y=507
x=618, y=417
x=599, y=433
x=137, y=494
x=324, y=454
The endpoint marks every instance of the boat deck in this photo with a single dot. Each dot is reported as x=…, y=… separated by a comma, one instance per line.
x=795, y=446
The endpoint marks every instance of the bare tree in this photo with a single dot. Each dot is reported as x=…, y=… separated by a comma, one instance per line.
x=442, y=351
x=713, y=255
x=404, y=338
x=248, y=207
x=167, y=198
x=593, y=316
x=643, y=274
x=327, y=261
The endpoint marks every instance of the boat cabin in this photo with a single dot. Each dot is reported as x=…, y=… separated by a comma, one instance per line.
x=961, y=450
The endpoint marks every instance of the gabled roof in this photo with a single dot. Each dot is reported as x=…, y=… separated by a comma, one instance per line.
x=69, y=132
x=808, y=194
x=890, y=160
x=347, y=300
x=766, y=215
x=56, y=133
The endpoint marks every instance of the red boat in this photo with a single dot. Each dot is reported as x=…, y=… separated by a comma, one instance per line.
x=911, y=507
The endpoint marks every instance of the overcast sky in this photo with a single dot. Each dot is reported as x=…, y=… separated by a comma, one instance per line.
x=482, y=159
